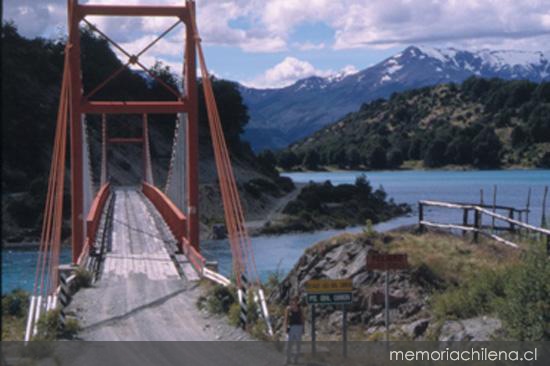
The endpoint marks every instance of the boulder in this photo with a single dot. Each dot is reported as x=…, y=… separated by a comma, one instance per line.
x=416, y=328
x=481, y=328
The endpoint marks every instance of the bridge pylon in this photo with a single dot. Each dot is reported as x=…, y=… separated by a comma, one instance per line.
x=81, y=104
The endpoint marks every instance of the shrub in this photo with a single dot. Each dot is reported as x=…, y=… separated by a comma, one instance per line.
x=234, y=314
x=220, y=299
x=474, y=298
x=83, y=278
x=525, y=309
x=49, y=327
x=15, y=303
x=285, y=183
x=518, y=294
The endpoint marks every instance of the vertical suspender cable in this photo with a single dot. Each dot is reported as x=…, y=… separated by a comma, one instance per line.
x=238, y=234
x=103, y=178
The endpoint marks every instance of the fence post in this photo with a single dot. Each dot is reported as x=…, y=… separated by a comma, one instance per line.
x=464, y=221
x=527, y=206
x=511, y=216
x=543, y=217
x=494, y=208
x=481, y=197
x=477, y=217
x=420, y=216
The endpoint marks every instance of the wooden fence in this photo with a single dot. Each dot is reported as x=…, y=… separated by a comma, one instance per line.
x=476, y=226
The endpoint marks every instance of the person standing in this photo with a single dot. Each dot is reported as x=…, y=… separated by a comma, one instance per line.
x=294, y=325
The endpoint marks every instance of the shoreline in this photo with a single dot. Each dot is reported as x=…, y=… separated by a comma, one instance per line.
x=441, y=169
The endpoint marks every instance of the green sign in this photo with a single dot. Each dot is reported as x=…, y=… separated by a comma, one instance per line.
x=328, y=298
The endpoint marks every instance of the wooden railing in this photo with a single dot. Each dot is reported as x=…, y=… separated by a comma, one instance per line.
x=477, y=227
x=94, y=216
x=194, y=257
x=176, y=221
x=172, y=215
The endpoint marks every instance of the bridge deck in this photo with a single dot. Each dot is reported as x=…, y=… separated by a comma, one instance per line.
x=138, y=242
x=140, y=294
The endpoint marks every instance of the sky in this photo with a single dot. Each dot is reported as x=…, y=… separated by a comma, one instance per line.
x=273, y=43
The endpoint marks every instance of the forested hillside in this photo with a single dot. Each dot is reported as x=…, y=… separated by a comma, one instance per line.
x=482, y=123
x=31, y=78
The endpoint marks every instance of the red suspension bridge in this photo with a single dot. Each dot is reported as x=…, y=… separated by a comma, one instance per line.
x=100, y=211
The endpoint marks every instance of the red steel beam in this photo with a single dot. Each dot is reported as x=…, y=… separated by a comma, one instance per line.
x=192, y=136
x=100, y=107
x=125, y=140
x=134, y=10
x=77, y=188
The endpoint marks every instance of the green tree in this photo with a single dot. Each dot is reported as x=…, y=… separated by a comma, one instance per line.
x=287, y=160
x=311, y=160
x=376, y=157
x=395, y=158
x=233, y=111
x=267, y=160
x=519, y=136
x=459, y=150
x=487, y=146
x=435, y=154
x=353, y=158
x=539, y=123
x=415, y=149
x=339, y=158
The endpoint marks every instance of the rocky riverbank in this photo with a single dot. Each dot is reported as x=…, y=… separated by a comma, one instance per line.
x=454, y=289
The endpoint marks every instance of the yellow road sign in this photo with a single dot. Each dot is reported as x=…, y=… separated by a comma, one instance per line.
x=329, y=286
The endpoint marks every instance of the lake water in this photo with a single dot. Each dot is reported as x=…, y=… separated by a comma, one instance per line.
x=280, y=253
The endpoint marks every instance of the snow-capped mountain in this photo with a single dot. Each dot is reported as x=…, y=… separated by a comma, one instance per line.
x=281, y=116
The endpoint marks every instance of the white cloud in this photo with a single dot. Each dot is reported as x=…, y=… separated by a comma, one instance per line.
x=285, y=73
x=356, y=23
x=290, y=70
x=387, y=23
x=309, y=46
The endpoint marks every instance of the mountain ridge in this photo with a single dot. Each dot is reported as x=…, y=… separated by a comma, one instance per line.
x=281, y=116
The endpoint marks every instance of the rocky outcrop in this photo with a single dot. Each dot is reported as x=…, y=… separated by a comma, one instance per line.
x=475, y=329
x=345, y=257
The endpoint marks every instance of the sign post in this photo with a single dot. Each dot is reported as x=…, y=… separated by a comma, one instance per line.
x=386, y=262
x=329, y=292
x=313, y=336
x=387, y=305
x=345, y=331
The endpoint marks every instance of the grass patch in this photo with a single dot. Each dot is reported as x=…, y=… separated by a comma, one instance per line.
x=14, y=312
x=83, y=278
x=453, y=259
x=49, y=327
x=13, y=328
x=517, y=294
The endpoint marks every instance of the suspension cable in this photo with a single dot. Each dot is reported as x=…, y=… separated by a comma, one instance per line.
x=243, y=256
